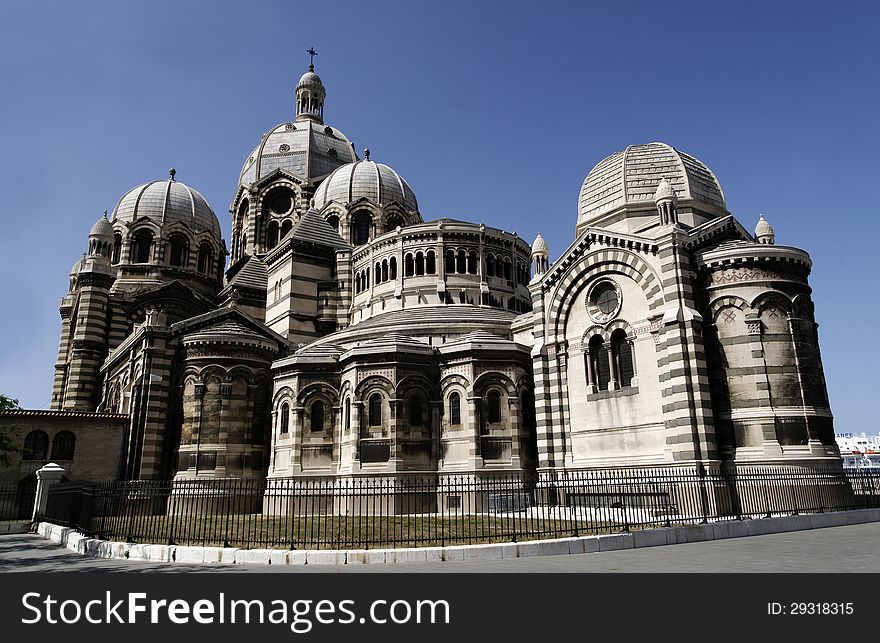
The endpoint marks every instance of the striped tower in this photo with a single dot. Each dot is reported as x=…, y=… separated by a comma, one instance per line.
x=87, y=329
x=687, y=404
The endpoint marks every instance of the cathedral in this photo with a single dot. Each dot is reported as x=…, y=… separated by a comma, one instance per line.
x=339, y=333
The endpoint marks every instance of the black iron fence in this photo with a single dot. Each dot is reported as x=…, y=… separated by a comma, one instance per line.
x=17, y=500
x=436, y=510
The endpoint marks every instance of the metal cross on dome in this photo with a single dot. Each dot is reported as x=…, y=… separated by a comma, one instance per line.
x=312, y=53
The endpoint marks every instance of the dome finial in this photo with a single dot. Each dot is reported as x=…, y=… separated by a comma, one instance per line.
x=366, y=153
x=171, y=174
x=540, y=256
x=105, y=215
x=764, y=231
x=310, y=93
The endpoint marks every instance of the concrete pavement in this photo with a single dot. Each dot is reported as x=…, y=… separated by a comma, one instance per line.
x=851, y=548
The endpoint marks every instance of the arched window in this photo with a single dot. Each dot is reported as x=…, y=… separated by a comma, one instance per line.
x=286, y=226
x=600, y=369
x=333, y=220
x=420, y=264
x=347, y=416
x=490, y=265
x=285, y=418
x=179, y=251
x=117, y=248
x=455, y=409
x=357, y=282
x=461, y=262
x=409, y=267
x=449, y=265
x=63, y=445
x=141, y=246
x=392, y=223
x=361, y=225
x=316, y=422
x=384, y=270
x=392, y=266
x=506, y=270
x=367, y=278
x=378, y=273
x=494, y=406
x=272, y=235
x=415, y=411
x=36, y=445
x=375, y=413
x=472, y=262
x=621, y=350
x=430, y=263
x=206, y=257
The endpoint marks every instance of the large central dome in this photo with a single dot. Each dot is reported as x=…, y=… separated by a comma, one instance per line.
x=305, y=148
x=627, y=180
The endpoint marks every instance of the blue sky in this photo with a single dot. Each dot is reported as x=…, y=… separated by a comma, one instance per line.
x=492, y=111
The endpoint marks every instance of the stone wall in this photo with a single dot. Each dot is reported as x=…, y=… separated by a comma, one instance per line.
x=97, y=450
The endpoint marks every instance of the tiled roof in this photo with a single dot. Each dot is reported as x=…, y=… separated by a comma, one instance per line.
x=252, y=274
x=312, y=228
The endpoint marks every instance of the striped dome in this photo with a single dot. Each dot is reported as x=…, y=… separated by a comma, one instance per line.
x=304, y=149
x=366, y=179
x=629, y=179
x=167, y=202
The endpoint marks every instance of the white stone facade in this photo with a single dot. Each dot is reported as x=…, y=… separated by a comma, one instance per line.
x=351, y=336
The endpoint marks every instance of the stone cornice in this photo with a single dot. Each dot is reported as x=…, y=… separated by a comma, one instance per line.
x=752, y=253
x=596, y=236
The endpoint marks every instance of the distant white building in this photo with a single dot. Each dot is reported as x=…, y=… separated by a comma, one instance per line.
x=859, y=451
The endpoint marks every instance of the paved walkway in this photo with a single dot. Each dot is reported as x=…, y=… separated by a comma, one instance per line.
x=837, y=549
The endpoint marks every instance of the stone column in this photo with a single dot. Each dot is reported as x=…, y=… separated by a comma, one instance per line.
x=591, y=377
x=435, y=431
x=473, y=426
x=47, y=477
x=612, y=367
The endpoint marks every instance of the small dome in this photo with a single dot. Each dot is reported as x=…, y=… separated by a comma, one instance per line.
x=763, y=227
x=629, y=179
x=366, y=179
x=764, y=231
x=167, y=201
x=102, y=228
x=77, y=267
x=539, y=246
x=664, y=191
x=310, y=78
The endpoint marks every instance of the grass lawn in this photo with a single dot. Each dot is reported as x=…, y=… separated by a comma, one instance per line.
x=253, y=531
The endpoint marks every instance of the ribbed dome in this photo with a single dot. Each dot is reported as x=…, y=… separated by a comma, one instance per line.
x=77, y=267
x=629, y=180
x=310, y=78
x=540, y=245
x=166, y=202
x=305, y=149
x=366, y=179
x=102, y=228
x=763, y=227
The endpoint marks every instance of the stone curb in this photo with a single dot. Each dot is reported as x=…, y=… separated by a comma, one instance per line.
x=75, y=541
x=15, y=527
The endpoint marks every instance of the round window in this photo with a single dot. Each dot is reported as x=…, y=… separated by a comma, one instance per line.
x=603, y=301
x=280, y=204
x=606, y=299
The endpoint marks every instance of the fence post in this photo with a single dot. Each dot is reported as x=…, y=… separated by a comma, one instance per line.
x=47, y=477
